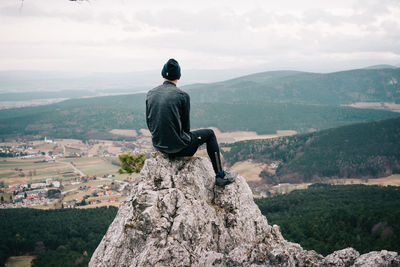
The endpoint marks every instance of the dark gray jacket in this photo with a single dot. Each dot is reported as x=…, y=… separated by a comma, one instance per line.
x=167, y=117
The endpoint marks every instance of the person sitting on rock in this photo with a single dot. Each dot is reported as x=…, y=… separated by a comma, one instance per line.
x=167, y=117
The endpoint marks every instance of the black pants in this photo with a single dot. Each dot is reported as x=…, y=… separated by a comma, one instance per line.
x=200, y=137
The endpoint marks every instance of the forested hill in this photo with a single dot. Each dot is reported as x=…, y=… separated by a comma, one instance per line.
x=326, y=218
x=61, y=237
x=263, y=102
x=345, y=87
x=94, y=118
x=358, y=150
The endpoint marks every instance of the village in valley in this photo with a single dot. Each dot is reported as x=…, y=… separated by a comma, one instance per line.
x=69, y=173
x=65, y=173
x=51, y=173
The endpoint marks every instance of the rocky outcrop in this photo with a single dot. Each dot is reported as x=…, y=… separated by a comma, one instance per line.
x=176, y=216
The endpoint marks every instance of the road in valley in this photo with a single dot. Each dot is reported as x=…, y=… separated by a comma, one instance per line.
x=81, y=173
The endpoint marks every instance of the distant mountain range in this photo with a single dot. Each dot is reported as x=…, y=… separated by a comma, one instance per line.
x=381, y=66
x=345, y=87
x=28, y=85
x=362, y=150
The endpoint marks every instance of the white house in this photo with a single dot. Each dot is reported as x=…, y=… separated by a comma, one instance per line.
x=38, y=185
x=36, y=192
x=19, y=195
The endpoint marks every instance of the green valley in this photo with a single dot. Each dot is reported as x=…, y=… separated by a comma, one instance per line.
x=94, y=118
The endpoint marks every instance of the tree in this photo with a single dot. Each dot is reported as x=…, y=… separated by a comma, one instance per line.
x=54, y=193
x=131, y=163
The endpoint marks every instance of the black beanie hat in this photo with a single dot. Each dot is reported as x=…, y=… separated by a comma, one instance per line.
x=171, y=70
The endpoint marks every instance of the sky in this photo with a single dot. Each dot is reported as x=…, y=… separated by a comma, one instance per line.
x=137, y=35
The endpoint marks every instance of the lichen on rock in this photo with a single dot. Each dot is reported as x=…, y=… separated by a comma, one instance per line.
x=176, y=216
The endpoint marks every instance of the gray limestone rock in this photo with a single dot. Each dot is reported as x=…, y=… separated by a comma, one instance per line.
x=344, y=257
x=176, y=216
x=381, y=258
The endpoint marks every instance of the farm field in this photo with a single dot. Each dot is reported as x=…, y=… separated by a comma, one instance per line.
x=68, y=146
x=19, y=261
x=236, y=136
x=94, y=166
x=103, y=147
x=32, y=170
x=14, y=170
x=393, y=180
x=287, y=188
x=377, y=105
x=249, y=170
x=124, y=132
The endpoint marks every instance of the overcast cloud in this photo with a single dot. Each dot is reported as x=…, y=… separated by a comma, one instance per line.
x=131, y=35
